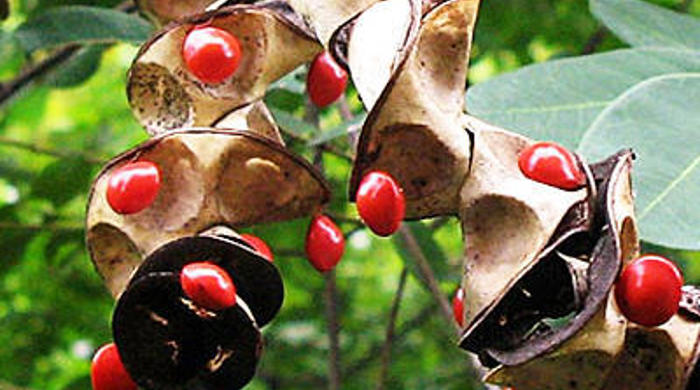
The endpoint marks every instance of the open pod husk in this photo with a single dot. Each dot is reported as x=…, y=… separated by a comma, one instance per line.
x=165, y=96
x=209, y=177
x=255, y=117
x=161, y=12
x=327, y=16
x=166, y=341
x=414, y=131
x=508, y=220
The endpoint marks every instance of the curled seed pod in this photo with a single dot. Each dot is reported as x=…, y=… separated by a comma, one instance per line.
x=209, y=177
x=273, y=41
x=413, y=131
x=163, y=11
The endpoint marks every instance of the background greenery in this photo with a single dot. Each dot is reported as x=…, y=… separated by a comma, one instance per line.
x=71, y=115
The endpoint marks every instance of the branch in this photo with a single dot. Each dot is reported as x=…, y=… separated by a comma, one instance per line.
x=390, y=329
x=330, y=295
x=344, y=108
x=6, y=141
x=7, y=225
x=28, y=75
x=412, y=246
x=595, y=40
x=326, y=147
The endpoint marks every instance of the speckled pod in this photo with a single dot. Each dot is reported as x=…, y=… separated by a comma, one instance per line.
x=165, y=96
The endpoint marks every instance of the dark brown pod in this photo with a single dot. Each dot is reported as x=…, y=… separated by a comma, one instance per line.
x=257, y=280
x=166, y=342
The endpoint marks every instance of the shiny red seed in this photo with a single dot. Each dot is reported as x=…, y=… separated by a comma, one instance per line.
x=326, y=81
x=552, y=164
x=325, y=243
x=211, y=54
x=208, y=286
x=381, y=203
x=133, y=187
x=259, y=245
x=649, y=290
x=108, y=372
x=458, y=306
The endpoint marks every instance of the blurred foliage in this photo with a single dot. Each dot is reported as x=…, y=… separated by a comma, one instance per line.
x=54, y=134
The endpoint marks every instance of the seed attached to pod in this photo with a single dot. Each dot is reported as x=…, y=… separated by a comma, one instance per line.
x=326, y=80
x=325, y=243
x=259, y=245
x=381, y=203
x=211, y=54
x=208, y=285
x=108, y=372
x=649, y=290
x=458, y=306
x=552, y=164
x=133, y=187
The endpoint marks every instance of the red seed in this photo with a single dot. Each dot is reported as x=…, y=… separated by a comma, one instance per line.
x=325, y=243
x=326, y=80
x=552, y=164
x=259, y=245
x=208, y=286
x=381, y=203
x=649, y=290
x=211, y=54
x=458, y=306
x=133, y=187
x=108, y=372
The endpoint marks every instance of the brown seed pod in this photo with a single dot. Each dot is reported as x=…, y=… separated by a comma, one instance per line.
x=256, y=117
x=579, y=354
x=165, y=96
x=161, y=12
x=209, y=177
x=325, y=17
x=414, y=131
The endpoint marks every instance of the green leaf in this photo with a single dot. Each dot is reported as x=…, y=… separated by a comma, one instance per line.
x=660, y=120
x=558, y=100
x=337, y=131
x=642, y=24
x=62, y=180
x=78, y=69
x=81, y=24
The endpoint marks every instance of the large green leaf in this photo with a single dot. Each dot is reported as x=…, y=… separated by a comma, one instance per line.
x=642, y=24
x=660, y=119
x=558, y=100
x=81, y=24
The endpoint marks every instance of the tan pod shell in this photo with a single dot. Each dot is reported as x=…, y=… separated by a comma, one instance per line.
x=414, y=131
x=165, y=96
x=209, y=177
x=507, y=219
x=164, y=11
x=326, y=16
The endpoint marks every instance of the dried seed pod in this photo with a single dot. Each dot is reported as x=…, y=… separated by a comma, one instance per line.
x=161, y=12
x=414, y=131
x=325, y=17
x=256, y=117
x=165, y=96
x=209, y=177
x=581, y=352
x=508, y=222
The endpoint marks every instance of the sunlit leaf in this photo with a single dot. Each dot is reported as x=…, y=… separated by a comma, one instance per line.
x=642, y=24
x=660, y=120
x=558, y=100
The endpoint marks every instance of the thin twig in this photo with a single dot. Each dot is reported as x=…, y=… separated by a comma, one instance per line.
x=8, y=225
x=345, y=219
x=595, y=40
x=61, y=153
x=330, y=293
x=437, y=223
x=28, y=75
x=391, y=329
x=412, y=246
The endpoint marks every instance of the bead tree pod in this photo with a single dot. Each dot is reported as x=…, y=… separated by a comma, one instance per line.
x=546, y=233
